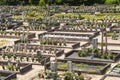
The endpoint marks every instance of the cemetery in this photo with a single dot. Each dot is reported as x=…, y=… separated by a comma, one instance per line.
x=59, y=42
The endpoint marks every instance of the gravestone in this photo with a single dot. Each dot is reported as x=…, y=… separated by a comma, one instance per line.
x=22, y=16
x=114, y=35
x=94, y=43
x=53, y=66
x=39, y=53
x=69, y=66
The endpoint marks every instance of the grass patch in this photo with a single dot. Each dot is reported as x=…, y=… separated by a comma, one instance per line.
x=111, y=34
x=66, y=15
x=100, y=16
x=63, y=66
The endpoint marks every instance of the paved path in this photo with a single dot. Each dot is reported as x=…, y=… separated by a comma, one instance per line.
x=36, y=69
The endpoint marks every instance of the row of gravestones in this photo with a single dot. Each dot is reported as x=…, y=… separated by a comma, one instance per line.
x=102, y=8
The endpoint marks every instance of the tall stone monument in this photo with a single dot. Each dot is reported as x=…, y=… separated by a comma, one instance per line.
x=69, y=66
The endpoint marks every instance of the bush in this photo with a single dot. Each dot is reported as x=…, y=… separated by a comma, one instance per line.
x=111, y=56
x=89, y=50
x=99, y=55
x=68, y=76
x=118, y=65
x=79, y=52
x=95, y=50
x=38, y=59
x=82, y=53
x=81, y=77
x=4, y=55
x=112, y=2
x=105, y=56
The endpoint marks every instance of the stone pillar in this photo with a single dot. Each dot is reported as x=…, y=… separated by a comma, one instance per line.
x=114, y=35
x=53, y=66
x=39, y=53
x=69, y=66
x=22, y=16
x=94, y=43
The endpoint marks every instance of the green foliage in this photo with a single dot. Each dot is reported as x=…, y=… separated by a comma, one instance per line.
x=112, y=1
x=63, y=66
x=99, y=55
x=42, y=3
x=81, y=77
x=81, y=65
x=72, y=76
x=118, y=65
x=89, y=50
x=104, y=56
x=58, y=2
x=82, y=53
x=38, y=59
x=95, y=50
x=4, y=55
x=110, y=55
x=79, y=52
x=68, y=76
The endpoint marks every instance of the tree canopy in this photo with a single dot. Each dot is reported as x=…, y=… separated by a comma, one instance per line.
x=57, y=2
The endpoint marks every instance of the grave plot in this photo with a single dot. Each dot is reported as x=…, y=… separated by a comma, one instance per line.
x=93, y=9
x=16, y=34
x=91, y=55
x=81, y=26
x=115, y=35
x=34, y=49
x=23, y=57
x=8, y=22
x=115, y=71
x=5, y=75
x=6, y=42
x=67, y=36
x=15, y=67
x=112, y=39
x=54, y=43
x=3, y=43
x=40, y=24
x=32, y=46
x=84, y=67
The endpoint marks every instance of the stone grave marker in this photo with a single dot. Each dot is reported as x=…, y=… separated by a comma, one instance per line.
x=114, y=35
x=94, y=43
x=53, y=66
x=69, y=66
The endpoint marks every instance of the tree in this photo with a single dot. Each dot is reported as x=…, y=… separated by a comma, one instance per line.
x=112, y=1
x=58, y=1
x=2, y=2
x=42, y=3
x=49, y=1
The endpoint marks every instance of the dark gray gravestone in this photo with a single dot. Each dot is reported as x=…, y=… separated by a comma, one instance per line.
x=39, y=53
